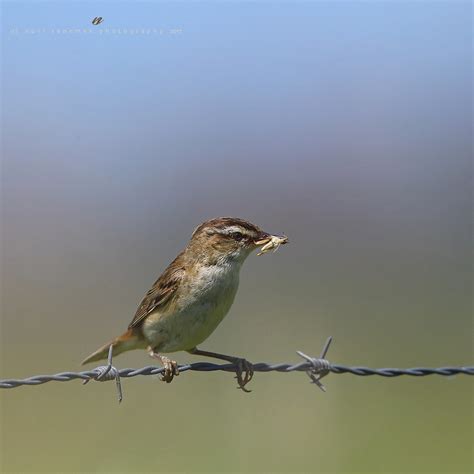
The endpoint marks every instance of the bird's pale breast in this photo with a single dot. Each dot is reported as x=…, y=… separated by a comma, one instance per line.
x=203, y=301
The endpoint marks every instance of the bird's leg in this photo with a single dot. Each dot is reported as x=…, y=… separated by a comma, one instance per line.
x=243, y=368
x=171, y=366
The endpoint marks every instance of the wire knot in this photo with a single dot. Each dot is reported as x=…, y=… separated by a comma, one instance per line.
x=108, y=372
x=319, y=367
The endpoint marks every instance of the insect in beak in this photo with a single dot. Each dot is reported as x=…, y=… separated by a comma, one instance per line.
x=270, y=242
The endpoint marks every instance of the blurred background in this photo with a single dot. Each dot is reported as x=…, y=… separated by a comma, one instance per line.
x=345, y=125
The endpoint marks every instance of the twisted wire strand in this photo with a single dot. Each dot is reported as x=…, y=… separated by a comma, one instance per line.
x=259, y=367
x=315, y=368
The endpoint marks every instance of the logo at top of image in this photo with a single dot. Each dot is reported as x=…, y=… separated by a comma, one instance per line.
x=97, y=20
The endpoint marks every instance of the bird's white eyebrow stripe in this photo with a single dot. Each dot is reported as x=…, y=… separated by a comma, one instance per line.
x=233, y=228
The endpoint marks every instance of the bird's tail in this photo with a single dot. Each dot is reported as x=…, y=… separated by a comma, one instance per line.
x=127, y=341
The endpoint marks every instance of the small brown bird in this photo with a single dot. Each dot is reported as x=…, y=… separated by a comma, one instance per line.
x=193, y=295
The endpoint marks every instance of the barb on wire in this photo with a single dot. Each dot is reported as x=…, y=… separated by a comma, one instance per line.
x=315, y=368
x=109, y=372
x=319, y=368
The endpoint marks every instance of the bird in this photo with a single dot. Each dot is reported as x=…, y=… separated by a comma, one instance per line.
x=193, y=295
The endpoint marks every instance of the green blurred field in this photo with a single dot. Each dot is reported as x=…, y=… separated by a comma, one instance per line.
x=201, y=423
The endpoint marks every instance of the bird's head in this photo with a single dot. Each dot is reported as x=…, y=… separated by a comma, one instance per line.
x=229, y=238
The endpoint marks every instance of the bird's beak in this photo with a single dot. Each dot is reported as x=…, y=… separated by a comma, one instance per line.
x=263, y=239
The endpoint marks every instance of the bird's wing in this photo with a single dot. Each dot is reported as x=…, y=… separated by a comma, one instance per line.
x=161, y=293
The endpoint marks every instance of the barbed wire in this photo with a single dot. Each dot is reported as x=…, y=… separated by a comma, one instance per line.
x=315, y=368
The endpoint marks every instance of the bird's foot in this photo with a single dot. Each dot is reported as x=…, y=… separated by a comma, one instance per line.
x=171, y=369
x=244, y=373
x=170, y=366
x=243, y=368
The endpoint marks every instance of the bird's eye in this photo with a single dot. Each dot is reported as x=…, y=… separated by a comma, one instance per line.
x=237, y=235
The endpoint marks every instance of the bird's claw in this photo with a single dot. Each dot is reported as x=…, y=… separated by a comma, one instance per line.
x=244, y=373
x=170, y=366
x=171, y=369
